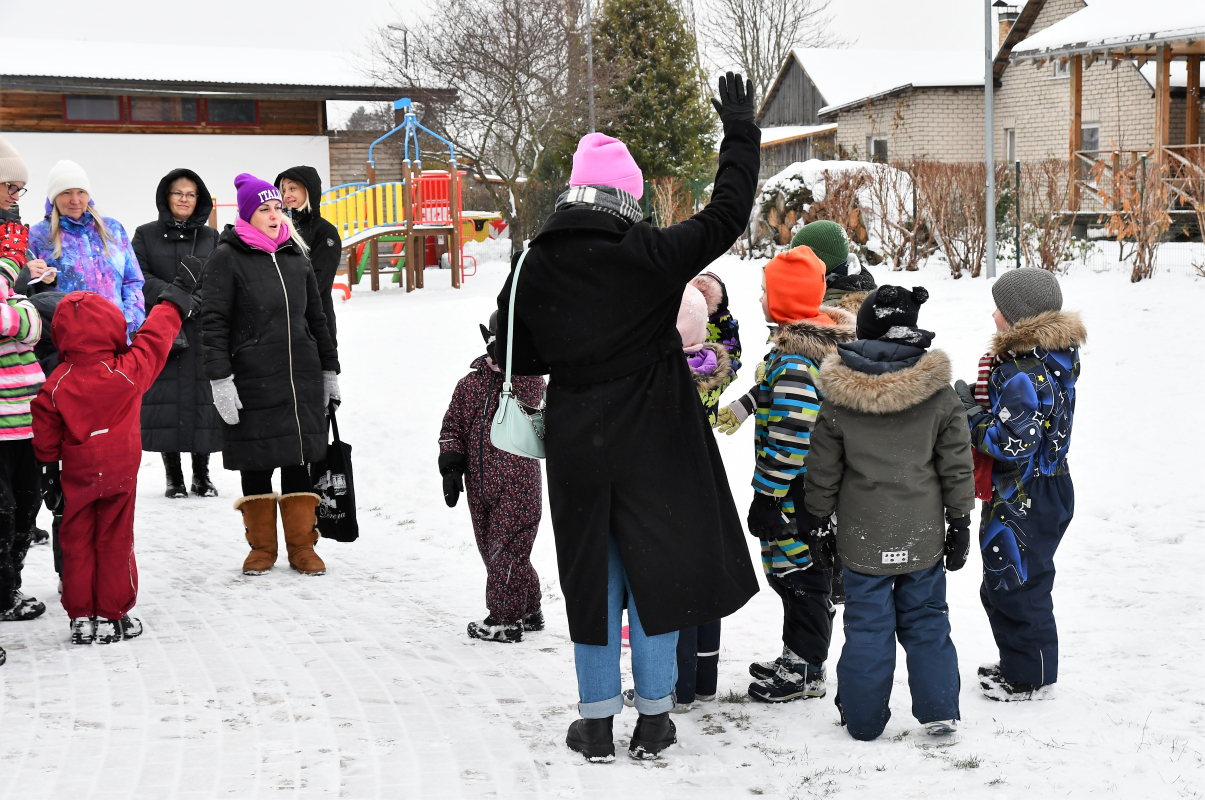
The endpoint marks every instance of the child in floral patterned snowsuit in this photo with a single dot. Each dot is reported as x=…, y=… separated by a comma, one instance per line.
x=505, y=500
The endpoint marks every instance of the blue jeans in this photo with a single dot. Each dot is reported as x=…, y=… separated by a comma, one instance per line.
x=654, y=658
x=879, y=608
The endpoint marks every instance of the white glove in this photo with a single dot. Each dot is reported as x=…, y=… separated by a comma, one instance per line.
x=330, y=389
x=225, y=398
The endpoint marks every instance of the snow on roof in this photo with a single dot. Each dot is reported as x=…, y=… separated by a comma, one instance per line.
x=1117, y=23
x=172, y=62
x=845, y=77
x=1177, y=73
x=784, y=133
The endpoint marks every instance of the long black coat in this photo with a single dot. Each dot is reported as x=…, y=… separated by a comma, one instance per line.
x=178, y=415
x=326, y=246
x=262, y=321
x=629, y=450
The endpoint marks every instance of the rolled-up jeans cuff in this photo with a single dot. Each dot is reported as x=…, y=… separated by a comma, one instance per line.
x=645, y=706
x=603, y=708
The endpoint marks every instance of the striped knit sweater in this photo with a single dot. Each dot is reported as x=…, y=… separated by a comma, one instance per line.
x=20, y=374
x=786, y=402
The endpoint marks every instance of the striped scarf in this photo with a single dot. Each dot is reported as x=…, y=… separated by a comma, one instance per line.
x=607, y=199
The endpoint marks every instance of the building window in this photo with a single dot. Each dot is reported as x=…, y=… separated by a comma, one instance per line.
x=876, y=149
x=91, y=108
x=231, y=112
x=1062, y=68
x=1010, y=145
x=1089, y=140
x=164, y=110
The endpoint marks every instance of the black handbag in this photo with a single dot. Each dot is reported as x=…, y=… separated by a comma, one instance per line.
x=336, y=490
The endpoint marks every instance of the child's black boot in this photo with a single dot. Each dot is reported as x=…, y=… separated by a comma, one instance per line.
x=491, y=630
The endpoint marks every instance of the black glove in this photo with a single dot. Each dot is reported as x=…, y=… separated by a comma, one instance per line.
x=968, y=399
x=52, y=486
x=736, y=99
x=179, y=293
x=452, y=466
x=958, y=542
x=819, y=535
x=766, y=521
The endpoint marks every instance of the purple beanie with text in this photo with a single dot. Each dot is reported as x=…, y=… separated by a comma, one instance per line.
x=253, y=193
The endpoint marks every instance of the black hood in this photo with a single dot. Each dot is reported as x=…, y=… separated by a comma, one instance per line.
x=200, y=215
x=874, y=357
x=307, y=177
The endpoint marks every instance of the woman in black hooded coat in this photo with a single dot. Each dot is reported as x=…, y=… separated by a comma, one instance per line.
x=178, y=415
x=303, y=199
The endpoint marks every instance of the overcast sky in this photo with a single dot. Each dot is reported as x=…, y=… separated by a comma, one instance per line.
x=348, y=24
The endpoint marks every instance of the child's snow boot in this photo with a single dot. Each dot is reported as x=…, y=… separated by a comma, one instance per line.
x=534, y=621
x=997, y=687
x=108, y=631
x=39, y=536
x=593, y=738
x=491, y=630
x=3, y=657
x=201, y=485
x=259, y=522
x=653, y=733
x=23, y=608
x=83, y=630
x=765, y=670
x=301, y=531
x=941, y=727
x=794, y=679
x=131, y=627
x=175, y=476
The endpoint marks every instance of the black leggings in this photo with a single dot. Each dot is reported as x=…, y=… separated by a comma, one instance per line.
x=295, y=478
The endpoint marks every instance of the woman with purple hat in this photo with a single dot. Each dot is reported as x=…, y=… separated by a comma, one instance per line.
x=274, y=372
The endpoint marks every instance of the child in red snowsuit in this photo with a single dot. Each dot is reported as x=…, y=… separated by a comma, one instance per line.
x=504, y=496
x=87, y=416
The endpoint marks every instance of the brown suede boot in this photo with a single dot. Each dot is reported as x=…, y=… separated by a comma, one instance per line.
x=301, y=531
x=259, y=520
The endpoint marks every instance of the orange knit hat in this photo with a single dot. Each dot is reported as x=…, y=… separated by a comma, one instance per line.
x=795, y=286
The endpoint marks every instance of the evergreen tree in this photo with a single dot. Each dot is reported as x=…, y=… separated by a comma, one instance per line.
x=656, y=94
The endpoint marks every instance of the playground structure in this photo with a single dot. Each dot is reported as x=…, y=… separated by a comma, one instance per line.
x=403, y=215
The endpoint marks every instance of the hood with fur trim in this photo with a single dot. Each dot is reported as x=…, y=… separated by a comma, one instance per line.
x=705, y=382
x=1050, y=330
x=887, y=393
x=812, y=339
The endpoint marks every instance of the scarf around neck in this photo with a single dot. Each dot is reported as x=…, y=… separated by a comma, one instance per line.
x=254, y=237
x=607, y=199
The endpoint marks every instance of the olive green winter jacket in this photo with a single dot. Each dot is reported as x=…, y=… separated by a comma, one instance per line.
x=891, y=452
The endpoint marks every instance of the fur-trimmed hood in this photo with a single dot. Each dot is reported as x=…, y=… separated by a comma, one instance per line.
x=1050, y=330
x=814, y=340
x=852, y=301
x=888, y=393
x=705, y=382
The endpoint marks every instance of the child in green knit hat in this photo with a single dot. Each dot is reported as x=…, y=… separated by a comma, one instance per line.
x=848, y=284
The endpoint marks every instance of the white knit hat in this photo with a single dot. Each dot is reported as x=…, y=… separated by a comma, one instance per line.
x=12, y=168
x=66, y=175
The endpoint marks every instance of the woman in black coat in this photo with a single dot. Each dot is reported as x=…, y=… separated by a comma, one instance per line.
x=634, y=475
x=301, y=192
x=177, y=411
x=273, y=368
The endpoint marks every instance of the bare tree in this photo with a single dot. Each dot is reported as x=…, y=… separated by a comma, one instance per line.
x=378, y=117
x=508, y=61
x=756, y=35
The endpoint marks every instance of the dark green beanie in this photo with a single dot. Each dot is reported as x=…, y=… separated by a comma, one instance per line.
x=827, y=241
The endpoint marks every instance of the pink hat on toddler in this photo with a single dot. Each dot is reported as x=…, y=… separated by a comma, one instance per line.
x=601, y=160
x=692, y=320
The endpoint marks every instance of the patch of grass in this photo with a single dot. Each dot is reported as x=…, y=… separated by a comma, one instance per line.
x=740, y=719
x=880, y=768
x=970, y=762
x=404, y=522
x=995, y=782
x=733, y=696
x=901, y=736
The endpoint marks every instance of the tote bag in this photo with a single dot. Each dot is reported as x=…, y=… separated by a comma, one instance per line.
x=336, y=490
x=518, y=428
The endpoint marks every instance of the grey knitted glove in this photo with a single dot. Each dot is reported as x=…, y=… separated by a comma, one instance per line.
x=330, y=389
x=225, y=398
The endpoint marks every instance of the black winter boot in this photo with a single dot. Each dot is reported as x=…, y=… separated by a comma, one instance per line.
x=533, y=621
x=653, y=733
x=175, y=477
x=491, y=630
x=593, y=738
x=201, y=485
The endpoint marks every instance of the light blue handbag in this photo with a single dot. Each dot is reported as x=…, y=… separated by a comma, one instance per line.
x=518, y=428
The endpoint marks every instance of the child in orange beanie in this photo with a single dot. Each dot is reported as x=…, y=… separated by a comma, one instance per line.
x=786, y=400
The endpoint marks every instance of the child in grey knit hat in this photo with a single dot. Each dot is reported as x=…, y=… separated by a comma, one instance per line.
x=1021, y=412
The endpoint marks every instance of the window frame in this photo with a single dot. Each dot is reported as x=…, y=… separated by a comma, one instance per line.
x=208, y=123
x=1062, y=69
x=1010, y=145
x=871, y=139
x=132, y=121
x=121, y=109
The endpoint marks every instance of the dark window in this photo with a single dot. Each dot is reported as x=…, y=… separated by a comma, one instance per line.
x=1089, y=139
x=231, y=112
x=170, y=110
x=91, y=108
x=878, y=151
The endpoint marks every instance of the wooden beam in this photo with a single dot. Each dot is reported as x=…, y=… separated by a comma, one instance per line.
x=1076, y=133
x=1163, y=101
x=1193, y=104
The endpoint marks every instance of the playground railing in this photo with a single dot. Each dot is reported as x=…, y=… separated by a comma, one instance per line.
x=336, y=192
x=366, y=208
x=431, y=203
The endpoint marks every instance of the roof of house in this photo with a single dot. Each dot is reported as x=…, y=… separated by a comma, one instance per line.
x=1016, y=34
x=1117, y=25
x=787, y=133
x=198, y=69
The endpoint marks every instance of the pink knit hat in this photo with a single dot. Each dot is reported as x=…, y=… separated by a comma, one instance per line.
x=692, y=319
x=603, y=161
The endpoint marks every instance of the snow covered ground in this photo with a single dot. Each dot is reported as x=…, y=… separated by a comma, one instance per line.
x=363, y=684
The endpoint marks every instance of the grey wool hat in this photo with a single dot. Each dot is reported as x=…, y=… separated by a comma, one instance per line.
x=1026, y=292
x=12, y=167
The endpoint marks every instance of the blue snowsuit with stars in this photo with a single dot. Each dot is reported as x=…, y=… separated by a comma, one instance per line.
x=1027, y=431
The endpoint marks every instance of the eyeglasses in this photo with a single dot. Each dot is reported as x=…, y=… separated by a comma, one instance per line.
x=183, y=195
x=14, y=190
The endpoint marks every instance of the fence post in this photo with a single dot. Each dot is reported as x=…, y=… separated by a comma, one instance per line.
x=213, y=212
x=1018, y=200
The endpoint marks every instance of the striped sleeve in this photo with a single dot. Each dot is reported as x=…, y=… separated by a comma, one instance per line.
x=784, y=426
x=20, y=321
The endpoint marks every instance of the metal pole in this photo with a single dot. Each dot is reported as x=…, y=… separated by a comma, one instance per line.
x=590, y=62
x=989, y=138
x=1018, y=213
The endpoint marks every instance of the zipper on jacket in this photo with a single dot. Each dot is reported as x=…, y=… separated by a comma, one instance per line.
x=289, y=330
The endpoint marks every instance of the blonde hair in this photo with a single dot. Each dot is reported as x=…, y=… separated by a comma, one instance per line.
x=296, y=237
x=56, y=229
